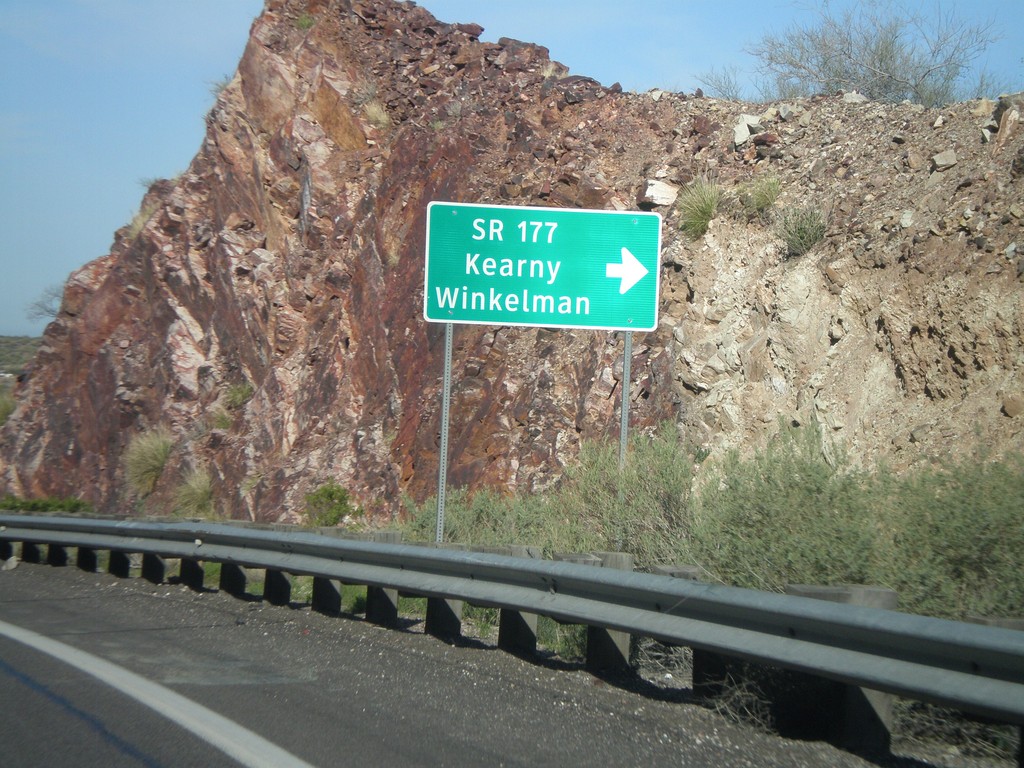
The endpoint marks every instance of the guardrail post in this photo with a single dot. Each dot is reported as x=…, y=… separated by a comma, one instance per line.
x=326, y=596
x=608, y=649
x=1006, y=623
x=444, y=616
x=153, y=568
x=858, y=719
x=6, y=549
x=232, y=579
x=120, y=564
x=517, y=630
x=381, y=602
x=86, y=559
x=602, y=653
x=708, y=670
x=689, y=572
x=31, y=552
x=56, y=555
x=192, y=574
x=277, y=587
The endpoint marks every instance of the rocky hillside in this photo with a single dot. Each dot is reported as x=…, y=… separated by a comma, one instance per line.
x=266, y=305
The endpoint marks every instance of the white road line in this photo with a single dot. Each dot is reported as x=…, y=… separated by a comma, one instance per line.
x=239, y=743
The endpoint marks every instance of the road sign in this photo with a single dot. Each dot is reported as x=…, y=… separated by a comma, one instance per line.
x=552, y=267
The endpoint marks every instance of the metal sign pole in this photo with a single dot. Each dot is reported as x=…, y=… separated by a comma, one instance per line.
x=627, y=359
x=442, y=468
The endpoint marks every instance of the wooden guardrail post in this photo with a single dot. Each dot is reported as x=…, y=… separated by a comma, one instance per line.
x=277, y=587
x=381, y=602
x=608, y=649
x=709, y=670
x=232, y=579
x=1005, y=623
x=517, y=630
x=154, y=569
x=192, y=574
x=326, y=597
x=858, y=719
x=86, y=559
x=31, y=552
x=6, y=549
x=120, y=564
x=56, y=555
x=444, y=615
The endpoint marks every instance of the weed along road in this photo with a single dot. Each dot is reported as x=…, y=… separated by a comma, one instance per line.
x=101, y=671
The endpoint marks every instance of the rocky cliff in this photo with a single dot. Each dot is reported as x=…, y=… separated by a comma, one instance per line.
x=265, y=307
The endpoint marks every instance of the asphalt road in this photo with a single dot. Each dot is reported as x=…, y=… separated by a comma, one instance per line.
x=321, y=691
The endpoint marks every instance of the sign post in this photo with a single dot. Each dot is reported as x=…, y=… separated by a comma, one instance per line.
x=542, y=267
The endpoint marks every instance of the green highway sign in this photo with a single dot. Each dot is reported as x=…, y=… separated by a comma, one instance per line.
x=552, y=267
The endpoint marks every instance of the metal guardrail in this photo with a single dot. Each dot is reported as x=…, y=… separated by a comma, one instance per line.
x=974, y=668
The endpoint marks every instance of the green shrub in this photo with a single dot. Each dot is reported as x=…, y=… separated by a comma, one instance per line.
x=7, y=406
x=784, y=516
x=801, y=229
x=140, y=219
x=17, y=351
x=645, y=512
x=957, y=535
x=145, y=458
x=194, y=496
x=219, y=418
x=238, y=395
x=948, y=540
x=377, y=114
x=698, y=204
x=758, y=196
x=328, y=505
x=305, y=22
x=46, y=504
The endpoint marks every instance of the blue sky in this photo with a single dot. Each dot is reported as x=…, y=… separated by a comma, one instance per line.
x=97, y=95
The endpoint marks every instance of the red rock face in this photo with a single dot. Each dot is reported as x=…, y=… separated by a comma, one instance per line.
x=290, y=257
x=265, y=307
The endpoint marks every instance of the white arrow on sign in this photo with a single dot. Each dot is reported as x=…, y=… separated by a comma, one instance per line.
x=630, y=271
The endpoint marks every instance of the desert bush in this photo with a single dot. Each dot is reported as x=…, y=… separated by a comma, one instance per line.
x=194, y=496
x=328, y=505
x=887, y=51
x=784, y=516
x=801, y=229
x=377, y=114
x=759, y=195
x=957, y=537
x=237, y=395
x=47, y=305
x=490, y=518
x=17, y=351
x=145, y=458
x=140, y=219
x=46, y=504
x=642, y=510
x=305, y=22
x=219, y=418
x=698, y=204
x=7, y=405
x=722, y=83
x=948, y=539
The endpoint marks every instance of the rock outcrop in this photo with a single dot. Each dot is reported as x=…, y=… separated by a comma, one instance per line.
x=288, y=261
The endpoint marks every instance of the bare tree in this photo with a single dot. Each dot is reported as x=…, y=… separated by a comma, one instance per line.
x=888, y=52
x=47, y=306
x=722, y=83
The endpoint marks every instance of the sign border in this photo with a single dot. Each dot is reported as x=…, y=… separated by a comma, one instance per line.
x=563, y=325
